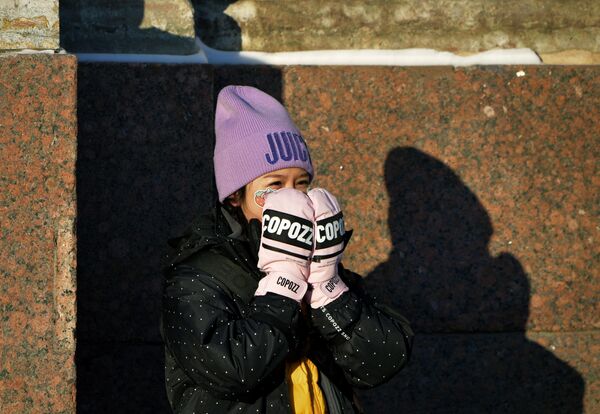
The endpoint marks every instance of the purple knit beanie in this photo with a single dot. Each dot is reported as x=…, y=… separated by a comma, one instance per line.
x=254, y=136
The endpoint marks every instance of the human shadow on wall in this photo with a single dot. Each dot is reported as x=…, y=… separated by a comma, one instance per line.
x=468, y=308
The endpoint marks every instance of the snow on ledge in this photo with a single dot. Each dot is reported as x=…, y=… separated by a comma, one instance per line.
x=373, y=57
x=33, y=52
x=363, y=57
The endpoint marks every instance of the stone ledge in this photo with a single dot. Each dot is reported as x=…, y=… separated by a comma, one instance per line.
x=571, y=57
x=29, y=24
x=464, y=26
x=152, y=26
x=457, y=26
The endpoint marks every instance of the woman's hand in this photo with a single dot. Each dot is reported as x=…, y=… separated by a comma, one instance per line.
x=286, y=243
x=329, y=244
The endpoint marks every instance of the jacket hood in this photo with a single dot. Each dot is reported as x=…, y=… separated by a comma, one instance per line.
x=211, y=230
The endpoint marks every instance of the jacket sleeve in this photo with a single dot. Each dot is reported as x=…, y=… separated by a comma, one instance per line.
x=369, y=341
x=227, y=355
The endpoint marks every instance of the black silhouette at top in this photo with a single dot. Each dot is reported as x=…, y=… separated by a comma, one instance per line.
x=214, y=27
x=109, y=26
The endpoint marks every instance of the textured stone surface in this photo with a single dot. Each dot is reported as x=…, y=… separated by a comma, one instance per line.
x=144, y=172
x=562, y=32
x=463, y=25
x=135, y=26
x=29, y=24
x=494, y=373
x=37, y=240
x=473, y=192
x=571, y=57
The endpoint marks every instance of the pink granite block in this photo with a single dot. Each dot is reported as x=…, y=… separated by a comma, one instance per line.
x=37, y=233
x=473, y=192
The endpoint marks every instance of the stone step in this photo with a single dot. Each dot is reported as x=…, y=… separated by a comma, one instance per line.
x=458, y=26
x=561, y=32
x=29, y=24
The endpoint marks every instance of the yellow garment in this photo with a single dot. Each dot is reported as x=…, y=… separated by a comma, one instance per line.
x=306, y=396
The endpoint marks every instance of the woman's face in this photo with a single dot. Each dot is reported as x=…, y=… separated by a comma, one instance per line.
x=253, y=200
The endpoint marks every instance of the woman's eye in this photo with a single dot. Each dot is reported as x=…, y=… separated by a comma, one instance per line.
x=302, y=183
x=275, y=184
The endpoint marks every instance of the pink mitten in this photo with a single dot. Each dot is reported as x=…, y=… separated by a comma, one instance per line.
x=329, y=245
x=286, y=243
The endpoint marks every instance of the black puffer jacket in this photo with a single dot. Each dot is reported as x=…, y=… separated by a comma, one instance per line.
x=225, y=349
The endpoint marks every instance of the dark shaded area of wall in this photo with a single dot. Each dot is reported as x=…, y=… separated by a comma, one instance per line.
x=144, y=170
x=266, y=78
x=37, y=234
x=471, y=192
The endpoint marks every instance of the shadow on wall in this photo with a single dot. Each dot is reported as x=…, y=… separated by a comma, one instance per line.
x=105, y=26
x=143, y=171
x=441, y=275
x=108, y=26
x=216, y=29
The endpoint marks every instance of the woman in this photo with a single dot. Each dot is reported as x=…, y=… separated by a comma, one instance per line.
x=259, y=316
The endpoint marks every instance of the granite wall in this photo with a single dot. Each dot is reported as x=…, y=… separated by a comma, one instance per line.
x=473, y=193
x=37, y=233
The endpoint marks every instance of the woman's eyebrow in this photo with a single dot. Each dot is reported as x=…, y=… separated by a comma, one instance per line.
x=279, y=176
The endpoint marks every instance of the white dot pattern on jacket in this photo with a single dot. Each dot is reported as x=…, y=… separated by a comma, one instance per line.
x=225, y=350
